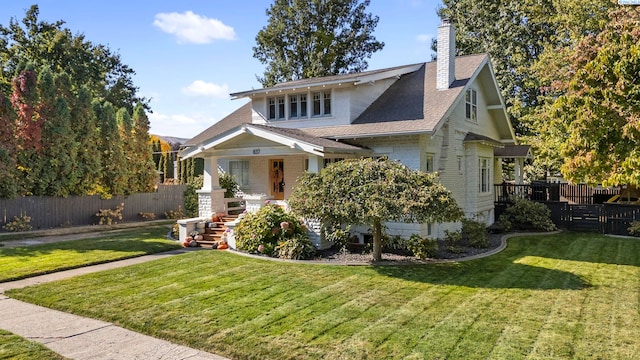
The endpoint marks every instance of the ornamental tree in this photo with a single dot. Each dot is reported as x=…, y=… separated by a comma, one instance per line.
x=372, y=192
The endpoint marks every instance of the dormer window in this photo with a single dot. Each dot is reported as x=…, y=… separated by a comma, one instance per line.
x=471, y=101
x=321, y=103
x=297, y=106
x=276, y=108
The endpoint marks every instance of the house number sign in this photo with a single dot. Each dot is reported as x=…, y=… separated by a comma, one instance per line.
x=256, y=151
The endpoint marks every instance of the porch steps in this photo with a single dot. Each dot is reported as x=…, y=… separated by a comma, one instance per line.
x=214, y=230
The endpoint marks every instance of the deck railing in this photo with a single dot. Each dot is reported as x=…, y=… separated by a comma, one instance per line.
x=542, y=191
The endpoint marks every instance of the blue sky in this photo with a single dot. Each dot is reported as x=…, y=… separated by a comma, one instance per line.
x=190, y=54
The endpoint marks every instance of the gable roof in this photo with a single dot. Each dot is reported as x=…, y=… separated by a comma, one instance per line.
x=290, y=139
x=241, y=116
x=411, y=105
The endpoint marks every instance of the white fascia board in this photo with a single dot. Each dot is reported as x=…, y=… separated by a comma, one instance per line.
x=348, y=78
x=286, y=141
x=387, y=74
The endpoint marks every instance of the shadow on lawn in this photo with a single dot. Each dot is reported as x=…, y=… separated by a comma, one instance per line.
x=493, y=276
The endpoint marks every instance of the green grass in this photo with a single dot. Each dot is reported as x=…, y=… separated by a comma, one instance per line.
x=17, y=348
x=548, y=297
x=22, y=262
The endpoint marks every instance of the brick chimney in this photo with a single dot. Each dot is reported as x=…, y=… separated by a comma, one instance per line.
x=446, y=55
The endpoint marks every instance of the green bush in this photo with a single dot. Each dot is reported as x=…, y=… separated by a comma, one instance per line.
x=297, y=247
x=422, y=247
x=264, y=231
x=453, y=240
x=474, y=233
x=229, y=184
x=526, y=215
x=394, y=243
x=191, y=196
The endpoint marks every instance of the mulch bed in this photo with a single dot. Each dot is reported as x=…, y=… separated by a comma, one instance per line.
x=334, y=255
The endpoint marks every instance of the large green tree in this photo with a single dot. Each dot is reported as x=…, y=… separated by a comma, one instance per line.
x=43, y=43
x=595, y=123
x=523, y=38
x=311, y=38
x=144, y=169
x=372, y=192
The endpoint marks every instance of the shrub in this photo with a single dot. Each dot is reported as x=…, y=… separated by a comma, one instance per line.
x=422, y=247
x=263, y=231
x=147, y=215
x=19, y=223
x=474, y=233
x=175, y=214
x=191, y=196
x=297, y=247
x=229, y=184
x=634, y=229
x=394, y=243
x=526, y=215
x=109, y=216
x=453, y=240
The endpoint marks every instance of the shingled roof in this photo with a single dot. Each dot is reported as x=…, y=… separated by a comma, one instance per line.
x=410, y=105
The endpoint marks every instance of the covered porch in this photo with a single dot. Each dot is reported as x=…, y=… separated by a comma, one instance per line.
x=265, y=161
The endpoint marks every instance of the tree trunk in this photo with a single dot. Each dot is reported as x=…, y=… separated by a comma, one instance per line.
x=377, y=240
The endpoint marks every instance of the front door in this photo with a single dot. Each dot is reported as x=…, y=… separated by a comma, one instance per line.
x=276, y=176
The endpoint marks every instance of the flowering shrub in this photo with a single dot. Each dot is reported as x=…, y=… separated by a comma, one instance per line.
x=272, y=231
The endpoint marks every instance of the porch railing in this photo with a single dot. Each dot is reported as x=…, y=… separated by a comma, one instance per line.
x=543, y=191
x=234, y=205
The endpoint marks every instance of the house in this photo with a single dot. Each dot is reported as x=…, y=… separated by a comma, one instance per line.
x=445, y=116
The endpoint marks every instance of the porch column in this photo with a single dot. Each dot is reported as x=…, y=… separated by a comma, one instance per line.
x=315, y=163
x=517, y=169
x=211, y=196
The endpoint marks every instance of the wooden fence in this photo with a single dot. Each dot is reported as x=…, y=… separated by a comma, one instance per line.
x=54, y=212
x=574, y=207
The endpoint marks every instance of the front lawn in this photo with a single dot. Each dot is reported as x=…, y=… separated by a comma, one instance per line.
x=22, y=262
x=555, y=296
x=17, y=348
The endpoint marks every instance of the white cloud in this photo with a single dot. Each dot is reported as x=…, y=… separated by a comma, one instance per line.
x=424, y=38
x=201, y=88
x=193, y=28
x=179, y=125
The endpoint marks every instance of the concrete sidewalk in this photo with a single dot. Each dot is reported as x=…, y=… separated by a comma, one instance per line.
x=77, y=337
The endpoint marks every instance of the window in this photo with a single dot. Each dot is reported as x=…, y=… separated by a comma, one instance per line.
x=484, y=175
x=297, y=106
x=276, y=108
x=460, y=163
x=471, y=102
x=429, y=163
x=321, y=103
x=239, y=170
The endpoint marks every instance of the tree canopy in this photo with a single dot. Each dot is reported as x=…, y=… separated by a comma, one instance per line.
x=596, y=121
x=530, y=43
x=370, y=192
x=93, y=65
x=58, y=130
x=312, y=38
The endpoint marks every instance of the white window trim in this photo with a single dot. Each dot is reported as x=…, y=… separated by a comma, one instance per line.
x=244, y=181
x=484, y=179
x=473, y=105
x=432, y=157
